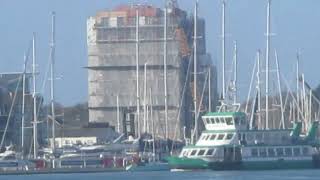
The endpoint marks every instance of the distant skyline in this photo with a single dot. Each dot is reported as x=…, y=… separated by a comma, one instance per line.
x=294, y=23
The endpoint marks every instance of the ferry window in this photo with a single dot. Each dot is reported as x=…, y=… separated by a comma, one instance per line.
x=236, y=120
x=222, y=120
x=263, y=152
x=229, y=121
x=254, y=152
x=208, y=137
x=193, y=152
x=185, y=153
x=201, y=152
x=305, y=151
x=220, y=136
x=212, y=120
x=296, y=151
x=210, y=152
x=217, y=120
x=229, y=136
x=271, y=152
x=203, y=137
x=279, y=151
x=213, y=137
x=243, y=121
x=288, y=151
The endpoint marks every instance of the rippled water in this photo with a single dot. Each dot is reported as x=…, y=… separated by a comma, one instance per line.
x=198, y=175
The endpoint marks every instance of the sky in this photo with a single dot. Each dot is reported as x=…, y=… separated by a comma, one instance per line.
x=295, y=25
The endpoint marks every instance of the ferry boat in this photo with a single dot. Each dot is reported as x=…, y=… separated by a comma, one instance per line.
x=229, y=144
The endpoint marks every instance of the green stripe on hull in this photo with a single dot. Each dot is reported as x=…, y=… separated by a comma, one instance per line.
x=186, y=163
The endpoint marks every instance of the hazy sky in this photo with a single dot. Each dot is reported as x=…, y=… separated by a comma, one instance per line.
x=295, y=24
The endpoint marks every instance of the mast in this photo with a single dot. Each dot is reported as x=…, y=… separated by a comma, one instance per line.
x=52, y=70
x=165, y=73
x=152, y=125
x=137, y=70
x=209, y=89
x=145, y=99
x=35, y=118
x=118, y=114
x=195, y=70
x=280, y=94
x=267, y=62
x=223, y=50
x=298, y=96
x=259, y=87
x=23, y=102
x=235, y=57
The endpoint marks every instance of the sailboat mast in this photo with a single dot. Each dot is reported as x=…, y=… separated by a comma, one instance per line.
x=259, y=87
x=298, y=89
x=280, y=93
x=35, y=118
x=52, y=72
x=235, y=56
x=195, y=36
x=145, y=99
x=165, y=73
x=267, y=62
x=152, y=125
x=223, y=50
x=137, y=70
x=23, y=102
x=209, y=88
x=118, y=115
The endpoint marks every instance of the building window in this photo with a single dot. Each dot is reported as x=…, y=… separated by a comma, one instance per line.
x=279, y=151
x=213, y=137
x=210, y=152
x=288, y=151
x=201, y=152
x=254, y=152
x=271, y=152
x=229, y=136
x=220, y=136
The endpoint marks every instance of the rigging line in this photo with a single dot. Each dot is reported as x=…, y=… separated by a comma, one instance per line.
x=203, y=89
x=183, y=96
x=250, y=87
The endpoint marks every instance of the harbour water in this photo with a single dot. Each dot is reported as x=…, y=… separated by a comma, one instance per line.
x=196, y=175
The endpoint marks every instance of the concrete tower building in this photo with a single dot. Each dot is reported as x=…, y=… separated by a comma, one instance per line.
x=126, y=48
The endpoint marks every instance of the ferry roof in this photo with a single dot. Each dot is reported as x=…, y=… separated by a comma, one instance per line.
x=225, y=114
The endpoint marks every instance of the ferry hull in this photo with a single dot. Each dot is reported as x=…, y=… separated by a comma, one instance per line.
x=187, y=163
x=195, y=164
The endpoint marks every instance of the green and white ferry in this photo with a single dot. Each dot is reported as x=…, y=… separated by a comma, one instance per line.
x=227, y=143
